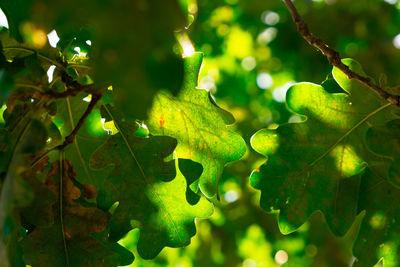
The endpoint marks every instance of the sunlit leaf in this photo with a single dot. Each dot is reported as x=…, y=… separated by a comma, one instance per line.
x=203, y=130
x=150, y=191
x=316, y=164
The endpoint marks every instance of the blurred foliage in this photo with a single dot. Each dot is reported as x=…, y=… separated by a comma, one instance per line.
x=252, y=56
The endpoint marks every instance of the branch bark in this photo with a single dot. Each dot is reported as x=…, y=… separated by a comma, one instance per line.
x=334, y=57
x=70, y=138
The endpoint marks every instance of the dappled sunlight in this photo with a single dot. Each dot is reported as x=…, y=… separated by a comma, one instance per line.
x=378, y=220
x=203, y=133
x=53, y=38
x=2, y=109
x=389, y=253
x=50, y=73
x=186, y=44
x=3, y=20
x=346, y=160
x=109, y=126
x=265, y=142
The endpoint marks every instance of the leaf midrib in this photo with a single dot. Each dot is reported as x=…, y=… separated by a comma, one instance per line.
x=142, y=172
x=352, y=129
x=347, y=133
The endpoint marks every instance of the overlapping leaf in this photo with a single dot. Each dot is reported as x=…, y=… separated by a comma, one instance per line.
x=379, y=232
x=390, y=133
x=88, y=139
x=62, y=243
x=203, y=130
x=378, y=197
x=21, y=137
x=151, y=192
x=316, y=164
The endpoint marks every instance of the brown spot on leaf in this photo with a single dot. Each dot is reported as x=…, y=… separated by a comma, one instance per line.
x=78, y=219
x=89, y=191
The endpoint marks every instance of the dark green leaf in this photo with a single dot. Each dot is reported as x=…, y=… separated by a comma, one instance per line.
x=62, y=243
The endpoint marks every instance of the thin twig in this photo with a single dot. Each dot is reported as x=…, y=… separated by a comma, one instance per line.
x=334, y=57
x=40, y=94
x=70, y=138
x=57, y=95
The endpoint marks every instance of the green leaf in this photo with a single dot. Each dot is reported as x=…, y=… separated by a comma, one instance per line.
x=203, y=130
x=23, y=137
x=150, y=191
x=45, y=248
x=378, y=197
x=316, y=164
x=88, y=139
x=390, y=133
x=379, y=233
x=62, y=243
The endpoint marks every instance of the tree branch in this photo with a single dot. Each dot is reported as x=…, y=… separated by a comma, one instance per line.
x=334, y=57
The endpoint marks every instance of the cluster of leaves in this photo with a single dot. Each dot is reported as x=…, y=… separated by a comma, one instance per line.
x=70, y=190
x=67, y=187
x=340, y=169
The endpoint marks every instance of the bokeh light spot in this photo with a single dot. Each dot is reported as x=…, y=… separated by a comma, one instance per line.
x=249, y=63
x=281, y=257
x=270, y=18
x=264, y=80
x=396, y=41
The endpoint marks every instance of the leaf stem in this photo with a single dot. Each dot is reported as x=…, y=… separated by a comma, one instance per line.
x=334, y=57
x=61, y=207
